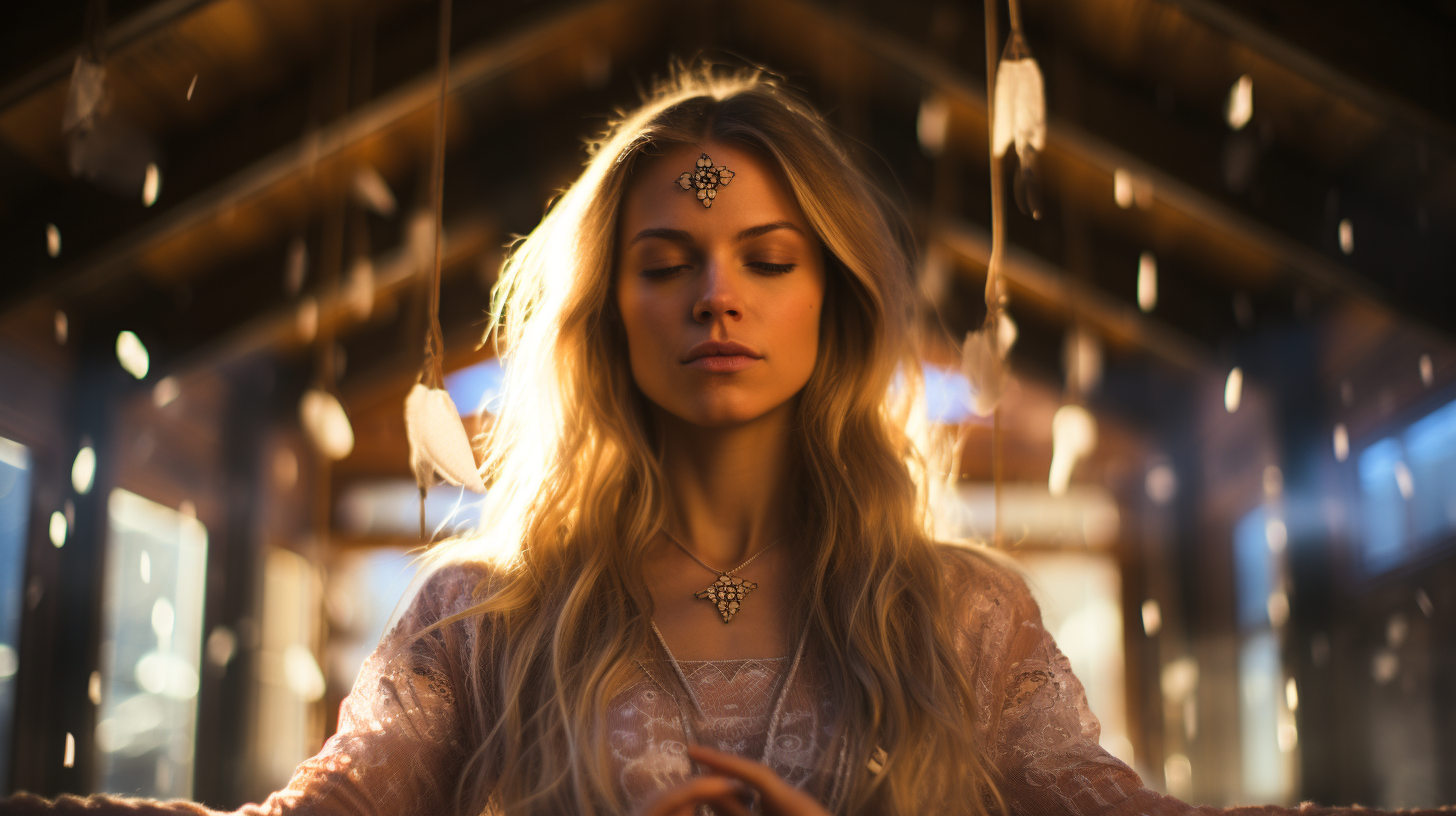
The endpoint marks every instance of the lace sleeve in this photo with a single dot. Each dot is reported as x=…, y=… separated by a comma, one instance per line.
x=1041, y=734
x=400, y=743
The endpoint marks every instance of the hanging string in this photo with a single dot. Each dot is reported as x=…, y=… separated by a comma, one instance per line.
x=998, y=241
x=432, y=371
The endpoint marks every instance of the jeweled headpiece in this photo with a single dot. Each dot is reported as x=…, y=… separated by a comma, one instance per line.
x=706, y=179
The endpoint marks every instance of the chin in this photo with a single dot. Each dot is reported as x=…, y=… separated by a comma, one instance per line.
x=717, y=411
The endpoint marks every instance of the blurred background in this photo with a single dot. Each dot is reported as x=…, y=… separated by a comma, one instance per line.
x=1243, y=276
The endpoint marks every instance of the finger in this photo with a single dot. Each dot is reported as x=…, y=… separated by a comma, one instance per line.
x=778, y=796
x=684, y=798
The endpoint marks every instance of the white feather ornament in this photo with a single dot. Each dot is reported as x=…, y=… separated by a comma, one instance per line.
x=326, y=423
x=439, y=447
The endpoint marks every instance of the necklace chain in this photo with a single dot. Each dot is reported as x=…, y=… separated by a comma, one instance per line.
x=673, y=539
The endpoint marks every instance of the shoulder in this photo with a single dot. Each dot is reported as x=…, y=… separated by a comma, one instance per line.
x=989, y=603
x=446, y=589
x=982, y=578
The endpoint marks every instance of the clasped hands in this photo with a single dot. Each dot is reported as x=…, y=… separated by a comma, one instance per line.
x=724, y=789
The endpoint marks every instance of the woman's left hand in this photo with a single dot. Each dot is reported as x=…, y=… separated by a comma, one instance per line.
x=779, y=798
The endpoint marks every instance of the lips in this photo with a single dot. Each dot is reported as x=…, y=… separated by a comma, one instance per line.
x=721, y=356
x=720, y=348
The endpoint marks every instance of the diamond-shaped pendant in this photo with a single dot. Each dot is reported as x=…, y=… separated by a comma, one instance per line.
x=727, y=594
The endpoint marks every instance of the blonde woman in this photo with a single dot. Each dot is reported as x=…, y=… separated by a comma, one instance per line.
x=706, y=579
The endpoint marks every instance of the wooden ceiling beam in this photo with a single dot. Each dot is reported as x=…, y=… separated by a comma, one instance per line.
x=328, y=145
x=1075, y=299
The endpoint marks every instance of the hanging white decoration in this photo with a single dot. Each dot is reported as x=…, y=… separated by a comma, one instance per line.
x=439, y=447
x=1233, y=389
x=1239, y=108
x=983, y=362
x=1074, y=435
x=326, y=423
x=1020, y=108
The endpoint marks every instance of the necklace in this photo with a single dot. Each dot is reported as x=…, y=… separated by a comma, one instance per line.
x=728, y=591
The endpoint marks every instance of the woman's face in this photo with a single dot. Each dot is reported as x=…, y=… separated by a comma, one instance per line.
x=691, y=280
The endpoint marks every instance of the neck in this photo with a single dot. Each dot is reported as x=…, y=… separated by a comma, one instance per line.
x=726, y=486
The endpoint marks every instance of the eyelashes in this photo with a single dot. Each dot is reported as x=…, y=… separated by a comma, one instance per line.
x=763, y=266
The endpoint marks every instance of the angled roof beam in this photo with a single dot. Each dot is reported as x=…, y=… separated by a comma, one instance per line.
x=1114, y=319
x=468, y=70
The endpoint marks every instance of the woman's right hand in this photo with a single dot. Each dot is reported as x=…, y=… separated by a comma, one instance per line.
x=723, y=794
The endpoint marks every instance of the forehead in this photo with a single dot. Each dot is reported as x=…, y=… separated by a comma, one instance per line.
x=756, y=194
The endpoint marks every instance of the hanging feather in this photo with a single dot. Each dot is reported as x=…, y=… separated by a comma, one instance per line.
x=439, y=447
x=983, y=362
x=1019, y=117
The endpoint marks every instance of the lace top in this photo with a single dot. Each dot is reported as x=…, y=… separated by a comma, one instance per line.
x=401, y=741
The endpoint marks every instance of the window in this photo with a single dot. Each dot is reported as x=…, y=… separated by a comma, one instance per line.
x=1408, y=490
x=14, y=512
x=156, y=563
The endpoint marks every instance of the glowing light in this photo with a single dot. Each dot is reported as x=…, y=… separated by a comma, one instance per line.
x=63, y=327
x=1122, y=188
x=191, y=86
x=302, y=673
x=1233, y=390
x=307, y=319
x=144, y=567
x=58, y=529
x=326, y=423
x=1273, y=481
x=1276, y=534
x=373, y=191
x=1074, y=435
x=1288, y=736
x=1278, y=608
x=296, y=267
x=1424, y=602
x=132, y=354
x=1178, y=772
x=1404, y=480
x=222, y=644
x=69, y=759
x=83, y=470
x=151, y=185
x=1147, y=282
x=359, y=291
x=285, y=468
x=1384, y=666
x=932, y=124
x=9, y=661
x=167, y=674
x=1347, y=236
x=165, y=391
x=1152, y=617
x=1161, y=484
x=93, y=688
x=1342, y=443
x=164, y=618
x=1240, y=106
x=1428, y=371
x=1396, y=630
x=53, y=240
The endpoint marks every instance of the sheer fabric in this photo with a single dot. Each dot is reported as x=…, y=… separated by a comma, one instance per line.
x=401, y=743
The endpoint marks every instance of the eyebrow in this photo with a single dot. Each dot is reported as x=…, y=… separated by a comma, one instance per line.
x=683, y=236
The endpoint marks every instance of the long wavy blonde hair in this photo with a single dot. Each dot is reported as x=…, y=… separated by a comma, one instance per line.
x=576, y=494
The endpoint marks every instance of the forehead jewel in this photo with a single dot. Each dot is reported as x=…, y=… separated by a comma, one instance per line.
x=705, y=179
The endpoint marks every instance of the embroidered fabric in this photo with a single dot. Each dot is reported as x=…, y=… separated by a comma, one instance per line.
x=401, y=744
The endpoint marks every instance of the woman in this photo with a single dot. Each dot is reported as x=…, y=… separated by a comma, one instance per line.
x=705, y=577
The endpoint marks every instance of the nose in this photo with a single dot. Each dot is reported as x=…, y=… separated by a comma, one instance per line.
x=719, y=296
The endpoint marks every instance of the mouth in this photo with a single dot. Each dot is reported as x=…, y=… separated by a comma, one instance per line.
x=721, y=356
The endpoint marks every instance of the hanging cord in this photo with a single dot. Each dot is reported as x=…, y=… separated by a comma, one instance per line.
x=998, y=241
x=432, y=371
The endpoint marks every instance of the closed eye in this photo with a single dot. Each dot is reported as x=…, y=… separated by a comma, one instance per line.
x=773, y=267
x=662, y=271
